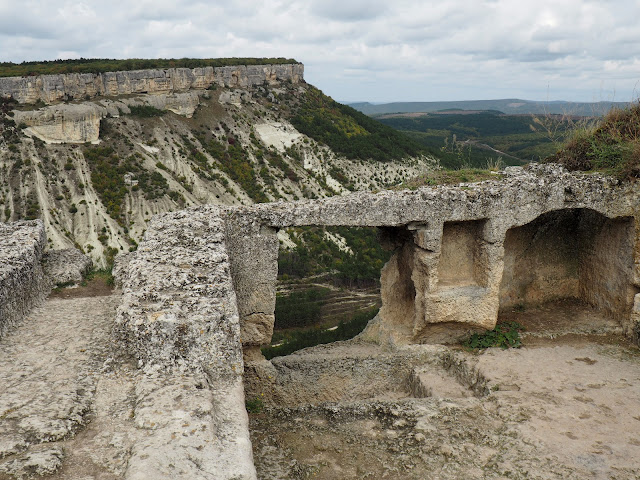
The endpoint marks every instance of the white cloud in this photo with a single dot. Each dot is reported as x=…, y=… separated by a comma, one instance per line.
x=360, y=49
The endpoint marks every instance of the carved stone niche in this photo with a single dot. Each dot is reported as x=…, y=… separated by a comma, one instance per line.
x=576, y=254
x=441, y=284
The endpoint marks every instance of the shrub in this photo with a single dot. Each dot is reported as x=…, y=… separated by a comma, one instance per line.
x=254, y=405
x=612, y=146
x=505, y=335
x=146, y=111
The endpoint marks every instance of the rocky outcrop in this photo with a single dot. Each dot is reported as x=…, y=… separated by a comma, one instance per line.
x=80, y=122
x=82, y=86
x=22, y=282
x=63, y=123
x=66, y=266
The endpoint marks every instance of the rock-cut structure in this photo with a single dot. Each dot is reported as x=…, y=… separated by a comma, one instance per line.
x=200, y=290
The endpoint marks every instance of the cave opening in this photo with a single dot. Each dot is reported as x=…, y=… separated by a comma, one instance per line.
x=569, y=271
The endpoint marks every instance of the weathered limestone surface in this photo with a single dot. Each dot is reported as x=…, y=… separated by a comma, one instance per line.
x=80, y=122
x=49, y=368
x=22, y=282
x=445, y=280
x=55, y=88
x=66, y=266
x=179, y=319
x=63, y=123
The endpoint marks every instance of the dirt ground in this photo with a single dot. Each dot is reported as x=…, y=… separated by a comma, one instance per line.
x=564, y=406
x=95, y=287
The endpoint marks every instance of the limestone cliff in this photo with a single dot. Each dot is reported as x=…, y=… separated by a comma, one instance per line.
x=111, y=150
x=82, y=86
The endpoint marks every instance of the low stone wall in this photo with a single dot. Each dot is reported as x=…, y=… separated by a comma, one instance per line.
x=82, y=86
x=178, y=318
x=22, y=282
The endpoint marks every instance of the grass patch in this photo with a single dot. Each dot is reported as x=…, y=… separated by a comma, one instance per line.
x=102, y=273
x=300, y=339
x=611, y=146
x=505, y=335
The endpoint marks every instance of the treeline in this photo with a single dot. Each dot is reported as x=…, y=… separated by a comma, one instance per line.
x=300, y=308
x=102, y=65
x=480, y=124
x=315, y=253
x=350, y=132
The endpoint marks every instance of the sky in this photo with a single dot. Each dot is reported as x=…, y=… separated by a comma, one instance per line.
x=361, y=50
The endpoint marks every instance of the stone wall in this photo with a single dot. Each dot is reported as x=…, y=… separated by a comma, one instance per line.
x=178, y=318
x=446, y=279
x=82, y=86
x=22, y=282
x=202, y=284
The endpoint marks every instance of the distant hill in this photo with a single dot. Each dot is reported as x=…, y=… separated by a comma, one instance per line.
x=512, y=106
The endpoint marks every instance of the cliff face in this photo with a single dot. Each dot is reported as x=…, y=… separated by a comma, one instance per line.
x=82, y=86
x=80, y=122
x=203, y=136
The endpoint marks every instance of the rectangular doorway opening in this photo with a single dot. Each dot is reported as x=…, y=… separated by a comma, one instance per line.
x=328, y=285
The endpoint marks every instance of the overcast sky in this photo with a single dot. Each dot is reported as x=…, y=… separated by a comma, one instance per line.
x=361, y=50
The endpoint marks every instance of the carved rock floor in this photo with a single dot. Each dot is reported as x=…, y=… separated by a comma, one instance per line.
x=562, y=407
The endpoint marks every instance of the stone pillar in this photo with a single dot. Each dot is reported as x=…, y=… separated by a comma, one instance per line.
x=253, y=254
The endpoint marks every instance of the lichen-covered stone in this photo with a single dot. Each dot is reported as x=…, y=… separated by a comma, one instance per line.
x=178, y=301
x=178, y=317
x=66, y=266
x=120, y=268
x=22, y=282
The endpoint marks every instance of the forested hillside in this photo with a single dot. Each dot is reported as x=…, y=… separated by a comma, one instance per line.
x=481, y=139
